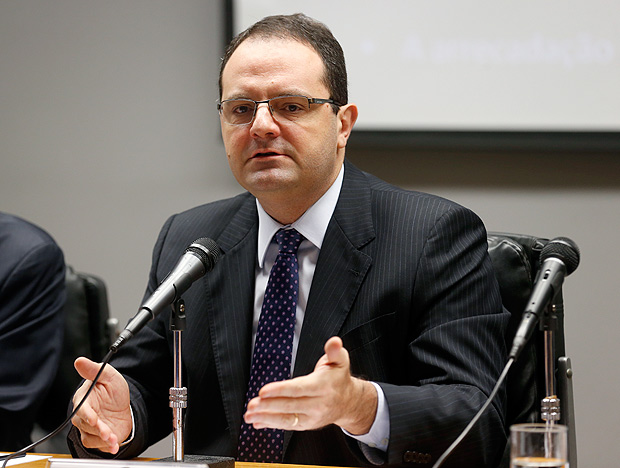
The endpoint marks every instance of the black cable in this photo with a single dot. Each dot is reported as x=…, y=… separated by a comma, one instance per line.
x=458, y=440
x=108, y=356
x=23, y=451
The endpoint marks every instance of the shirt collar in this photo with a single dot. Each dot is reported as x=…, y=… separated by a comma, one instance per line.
x=312, y=224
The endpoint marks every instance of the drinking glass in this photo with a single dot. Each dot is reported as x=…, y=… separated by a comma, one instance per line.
x=539, y=445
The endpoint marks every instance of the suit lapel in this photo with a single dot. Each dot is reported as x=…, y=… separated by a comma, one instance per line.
x=230, y=312
x=340, y=271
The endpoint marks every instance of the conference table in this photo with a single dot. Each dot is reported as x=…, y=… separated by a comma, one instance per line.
x=44, y=463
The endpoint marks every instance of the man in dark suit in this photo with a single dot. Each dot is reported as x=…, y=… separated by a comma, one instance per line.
x=32, y=295
x=399, y=328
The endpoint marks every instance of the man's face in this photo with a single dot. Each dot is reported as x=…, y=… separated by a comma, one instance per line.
x=282, y=161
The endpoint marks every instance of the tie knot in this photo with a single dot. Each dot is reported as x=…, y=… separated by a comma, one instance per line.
x=288, y=240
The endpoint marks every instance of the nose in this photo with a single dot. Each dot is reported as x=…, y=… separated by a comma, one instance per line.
x=264, y=124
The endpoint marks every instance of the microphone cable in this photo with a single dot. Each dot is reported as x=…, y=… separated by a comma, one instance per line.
x=475, y=419
x=108, y=356
x=23, y=451
x=207, y=253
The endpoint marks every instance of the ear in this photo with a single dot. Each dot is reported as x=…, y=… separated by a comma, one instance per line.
x=347, y=115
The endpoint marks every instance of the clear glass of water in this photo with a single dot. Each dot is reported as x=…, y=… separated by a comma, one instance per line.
x=538, y=445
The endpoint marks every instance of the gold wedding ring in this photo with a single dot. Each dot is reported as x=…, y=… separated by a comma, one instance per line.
x=296, y=420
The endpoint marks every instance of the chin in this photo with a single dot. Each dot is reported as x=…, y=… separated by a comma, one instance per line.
x=269, y=185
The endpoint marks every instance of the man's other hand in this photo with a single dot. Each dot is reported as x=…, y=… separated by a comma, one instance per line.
x=329, y=395
x=104, y=420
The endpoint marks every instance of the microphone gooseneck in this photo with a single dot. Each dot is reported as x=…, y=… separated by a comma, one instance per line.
x=199, y=258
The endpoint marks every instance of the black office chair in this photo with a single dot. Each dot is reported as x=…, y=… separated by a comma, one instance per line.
x=89, y=331
x=516, y=260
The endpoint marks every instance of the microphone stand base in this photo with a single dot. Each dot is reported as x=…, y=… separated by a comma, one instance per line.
x=206, y=460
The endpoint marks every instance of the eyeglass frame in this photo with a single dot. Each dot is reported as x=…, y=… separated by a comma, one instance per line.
x=268, y=102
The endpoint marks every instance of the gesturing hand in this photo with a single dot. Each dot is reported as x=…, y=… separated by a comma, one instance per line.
x=104, y=420
x=329, y=395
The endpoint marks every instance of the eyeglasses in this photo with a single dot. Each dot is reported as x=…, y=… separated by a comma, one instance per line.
x=283, y=108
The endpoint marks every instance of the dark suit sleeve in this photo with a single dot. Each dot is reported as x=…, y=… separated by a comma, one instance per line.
x=144, y=357
x=455, y=351
x=32, y=295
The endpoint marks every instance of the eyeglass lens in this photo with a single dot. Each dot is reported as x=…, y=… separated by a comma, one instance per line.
x=283, y=108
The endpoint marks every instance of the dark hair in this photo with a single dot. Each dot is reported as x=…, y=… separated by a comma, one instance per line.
x=308, y=31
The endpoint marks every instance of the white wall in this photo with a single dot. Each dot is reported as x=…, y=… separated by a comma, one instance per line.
x=108, y=126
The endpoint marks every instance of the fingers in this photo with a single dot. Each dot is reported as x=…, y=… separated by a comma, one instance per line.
x=308, y=402
x=290, y=405
x=299, y=387
x=106, y=415
x=95, y=442
x=336, y=358
x=94, y=433
x=332, y=348
x=86, y=413
x=283, y=405
x=88, y=370
x=335, y=352
x=261, y=417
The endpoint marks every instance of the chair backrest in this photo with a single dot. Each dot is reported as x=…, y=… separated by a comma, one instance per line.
x=516, y=260
x=88, y=332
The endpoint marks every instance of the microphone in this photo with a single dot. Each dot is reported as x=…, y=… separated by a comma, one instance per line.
x=199, y=258
x=560, y=257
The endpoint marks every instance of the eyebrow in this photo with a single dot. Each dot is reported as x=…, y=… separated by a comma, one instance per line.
x=289, y=92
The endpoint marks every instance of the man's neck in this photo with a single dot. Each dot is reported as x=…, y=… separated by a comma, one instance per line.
x=288, y=208
x=312, y=224
x=286, y=211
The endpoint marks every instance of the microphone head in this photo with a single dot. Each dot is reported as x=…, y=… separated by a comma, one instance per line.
x=207, y=251
x=563, y=249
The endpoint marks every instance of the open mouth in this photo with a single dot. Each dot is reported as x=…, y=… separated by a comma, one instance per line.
x=266, y=154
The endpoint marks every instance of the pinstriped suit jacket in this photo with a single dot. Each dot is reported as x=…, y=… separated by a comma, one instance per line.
x=404, y=279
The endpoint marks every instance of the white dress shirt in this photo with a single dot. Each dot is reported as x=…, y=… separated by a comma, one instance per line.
x=312, y=225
